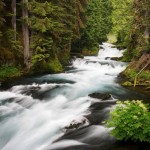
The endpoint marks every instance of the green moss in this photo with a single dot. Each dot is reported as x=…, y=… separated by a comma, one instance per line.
x=131, y=74
x=92, y=52
x=49, y=66
x=127, y=83
x=136, y=79
x=8, y=72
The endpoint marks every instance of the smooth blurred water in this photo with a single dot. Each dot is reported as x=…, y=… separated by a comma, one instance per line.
x=35, y=114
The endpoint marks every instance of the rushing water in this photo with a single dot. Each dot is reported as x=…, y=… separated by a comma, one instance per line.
x=35, y=112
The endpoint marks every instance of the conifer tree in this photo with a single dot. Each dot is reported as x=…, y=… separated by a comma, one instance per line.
x=139, y=41
x=1, y=16
x=13, y=6
x=48, y=29
x=25, y=31
x=122, y=18
x=98, y=25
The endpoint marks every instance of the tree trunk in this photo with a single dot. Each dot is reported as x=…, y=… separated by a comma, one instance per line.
x=13, y=6
x=26, y=34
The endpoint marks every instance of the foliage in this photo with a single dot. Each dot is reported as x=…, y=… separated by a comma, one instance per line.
x=52, y=25
x=130, y=55
x=130, y=120
x=131, y=73
x=42, y=64
x=9, y=71
x=87, y=52
x=1, y=16
x=122, y=15
x=55, y=66
x=57, y=26
x=122, y=18
x=97, y=27
x=139, y=40
x=99, y=19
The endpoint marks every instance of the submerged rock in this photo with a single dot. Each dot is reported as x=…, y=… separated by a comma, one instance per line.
x=117, y=58
x=103, y=96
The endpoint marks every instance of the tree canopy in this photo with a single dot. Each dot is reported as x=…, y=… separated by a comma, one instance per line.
x=44, y=33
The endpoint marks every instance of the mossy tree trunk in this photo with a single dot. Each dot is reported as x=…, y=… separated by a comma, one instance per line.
x=13, y=6
x=25, y=30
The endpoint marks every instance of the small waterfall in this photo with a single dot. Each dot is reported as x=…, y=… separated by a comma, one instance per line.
x=108, y=52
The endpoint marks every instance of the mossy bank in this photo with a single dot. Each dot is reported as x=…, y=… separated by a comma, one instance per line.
x=137, y=77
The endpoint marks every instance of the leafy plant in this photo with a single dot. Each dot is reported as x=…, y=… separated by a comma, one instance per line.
x=9, y=71
x=130, y=120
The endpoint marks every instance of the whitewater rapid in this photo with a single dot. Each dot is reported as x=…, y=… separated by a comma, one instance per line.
x=34, y=115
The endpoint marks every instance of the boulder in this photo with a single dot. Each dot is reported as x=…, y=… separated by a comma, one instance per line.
x=103, y=96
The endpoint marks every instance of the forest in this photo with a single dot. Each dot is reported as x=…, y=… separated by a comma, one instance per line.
x=41, y=36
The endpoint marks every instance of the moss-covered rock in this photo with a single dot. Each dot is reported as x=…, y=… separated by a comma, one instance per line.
x=127, y=83
x=92, y=52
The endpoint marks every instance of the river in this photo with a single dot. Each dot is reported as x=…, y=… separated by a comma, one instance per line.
x=37, y=113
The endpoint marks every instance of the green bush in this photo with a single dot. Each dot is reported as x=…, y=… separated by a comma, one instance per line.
x=130, y=120
x=55, y=66
x=9, y=71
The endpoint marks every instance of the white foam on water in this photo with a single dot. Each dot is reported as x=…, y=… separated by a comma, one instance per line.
x=27, y=123
x=41, y=123
x=108, y=51
x=65, y=144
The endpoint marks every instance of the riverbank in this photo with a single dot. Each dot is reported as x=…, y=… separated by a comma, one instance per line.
x=9, y=72
x=137, y=78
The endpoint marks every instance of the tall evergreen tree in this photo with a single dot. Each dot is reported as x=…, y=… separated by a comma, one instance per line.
x=13, y=6
x=98, y=25
x=1, y=16
x=48, y=29
x=25, y=31
x=122, y=18
x=139, y=41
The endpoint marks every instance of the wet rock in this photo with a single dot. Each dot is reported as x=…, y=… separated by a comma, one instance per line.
x=117, y=58
x=103, y=96
x=77, y=124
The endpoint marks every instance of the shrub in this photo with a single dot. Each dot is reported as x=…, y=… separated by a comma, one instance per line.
x=130, y=120
x=9, y=71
